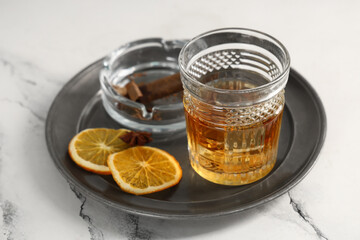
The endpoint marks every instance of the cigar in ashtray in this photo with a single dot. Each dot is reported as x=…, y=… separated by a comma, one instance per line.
x=147, y=92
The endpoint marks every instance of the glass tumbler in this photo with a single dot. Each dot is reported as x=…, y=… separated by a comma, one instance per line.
x=234, y=82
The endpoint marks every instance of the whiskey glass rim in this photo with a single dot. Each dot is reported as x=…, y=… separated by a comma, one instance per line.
x=280, y=78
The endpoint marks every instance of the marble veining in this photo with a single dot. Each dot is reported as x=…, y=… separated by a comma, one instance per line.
x=29, y=81
x=298, y=208
x=22, y=105
x=95, y=233
x=135, y=230
x=128, y=224
x=8, y=215
x=7, y=64
x=1, y=155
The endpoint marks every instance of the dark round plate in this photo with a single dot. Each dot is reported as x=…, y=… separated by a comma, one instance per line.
x=78, y=106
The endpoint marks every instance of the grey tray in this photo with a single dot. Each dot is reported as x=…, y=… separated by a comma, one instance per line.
x=78, y=106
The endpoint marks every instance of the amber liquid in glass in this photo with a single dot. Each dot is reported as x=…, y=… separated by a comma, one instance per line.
x=233, y=146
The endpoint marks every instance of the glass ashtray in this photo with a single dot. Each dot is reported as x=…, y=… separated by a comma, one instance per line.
x=143, y=61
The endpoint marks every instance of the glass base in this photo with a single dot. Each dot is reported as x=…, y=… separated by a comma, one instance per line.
x=231, y=179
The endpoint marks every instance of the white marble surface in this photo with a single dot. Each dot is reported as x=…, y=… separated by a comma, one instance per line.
x=44, y=43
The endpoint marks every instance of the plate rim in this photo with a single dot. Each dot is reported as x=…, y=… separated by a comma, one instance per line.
x=298, y=177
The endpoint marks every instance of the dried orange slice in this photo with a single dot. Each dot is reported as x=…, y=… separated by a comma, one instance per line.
x=143, y=170
x=90, y=148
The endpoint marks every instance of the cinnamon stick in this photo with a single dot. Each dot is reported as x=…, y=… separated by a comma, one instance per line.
x=160, y=88
x=133, y=91
x=120, y=90
x=148, y=92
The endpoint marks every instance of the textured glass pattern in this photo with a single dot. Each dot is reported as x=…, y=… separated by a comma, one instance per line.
x=256, y=113
x=231, y=59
